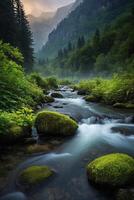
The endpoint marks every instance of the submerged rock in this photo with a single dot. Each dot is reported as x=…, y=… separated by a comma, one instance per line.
x=125, y=194
x=50, y=123
x=124, y=130
x=113, y=170
x=124, y=105
x=14, y=196
x=34, y=175
x=129, y=119
x=57, y=95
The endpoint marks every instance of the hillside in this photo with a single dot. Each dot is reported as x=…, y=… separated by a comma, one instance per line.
x=106, y=52
x=84, y=20
x=43, y=25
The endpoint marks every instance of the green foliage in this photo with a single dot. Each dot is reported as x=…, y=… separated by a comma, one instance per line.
x=15, y=89
x=44, y=83
x=55, y=124
x=16, y=124
x=112, y=170
x=118, y=89
x=108, y=51
x=35, y=175
x=15, y=29
x=84, y=20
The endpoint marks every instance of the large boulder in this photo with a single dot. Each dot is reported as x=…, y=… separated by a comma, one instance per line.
x=50, y=123
x=114, y=170
x=34, y=175
x=57, y=95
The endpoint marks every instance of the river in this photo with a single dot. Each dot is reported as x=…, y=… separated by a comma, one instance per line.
x=95, y=137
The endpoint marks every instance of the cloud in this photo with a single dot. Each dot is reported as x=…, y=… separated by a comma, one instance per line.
x=35, y=7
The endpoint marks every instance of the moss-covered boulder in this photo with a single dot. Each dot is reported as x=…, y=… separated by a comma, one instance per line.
x=50, y=123
x=48, y=99
x=57, y=95
x=113, y=170
x=35, y=175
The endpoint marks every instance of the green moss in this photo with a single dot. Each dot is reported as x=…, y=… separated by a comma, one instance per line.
x=53, y=123
x=35, y=175
x=112, y=170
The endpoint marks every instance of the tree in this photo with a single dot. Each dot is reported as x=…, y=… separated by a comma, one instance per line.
x=96, y=41
x=80, y=42
x=70, y=46
x=7, y=22
x=14, y=29
x=24, y=36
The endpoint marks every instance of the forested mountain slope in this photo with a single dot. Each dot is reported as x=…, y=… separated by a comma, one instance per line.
x=84, y=20
x=108, y=51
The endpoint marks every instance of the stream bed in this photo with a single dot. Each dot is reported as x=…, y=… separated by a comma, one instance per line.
x=99, y=133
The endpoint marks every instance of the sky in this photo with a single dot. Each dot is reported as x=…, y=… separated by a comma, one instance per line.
x=36, y=7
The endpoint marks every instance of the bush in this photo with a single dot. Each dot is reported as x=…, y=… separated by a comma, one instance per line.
x=44, y=83
x=114, y=170
x=55, y=124
x=15, y=89
x=16, y=125
x=118, y=89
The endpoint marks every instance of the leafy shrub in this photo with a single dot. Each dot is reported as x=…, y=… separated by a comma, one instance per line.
x=119, y=88
x=44, y=83
x=16, y=124
x=15, y=89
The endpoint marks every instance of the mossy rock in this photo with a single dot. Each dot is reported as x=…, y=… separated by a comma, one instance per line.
x=91, y=98
x=125, y=194
x=55, y=124
x=48, y=99
x=35, y=175
x=124, y=105
x=82, y=92
x=112, y=170
x=57, y=95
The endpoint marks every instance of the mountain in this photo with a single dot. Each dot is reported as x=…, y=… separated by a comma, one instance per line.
x=83, y=21
x=108, y=51
x=43, y=25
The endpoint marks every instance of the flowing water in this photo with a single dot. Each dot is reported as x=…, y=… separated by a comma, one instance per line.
x=95, y=137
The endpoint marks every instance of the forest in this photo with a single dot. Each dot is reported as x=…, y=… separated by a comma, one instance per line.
x=67, y=111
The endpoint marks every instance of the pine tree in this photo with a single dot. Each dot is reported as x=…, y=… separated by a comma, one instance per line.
x=80, y=42
x=7, y=22
x=96, y=39
x=14, y=29
x=70, y=46
x=24, y=36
